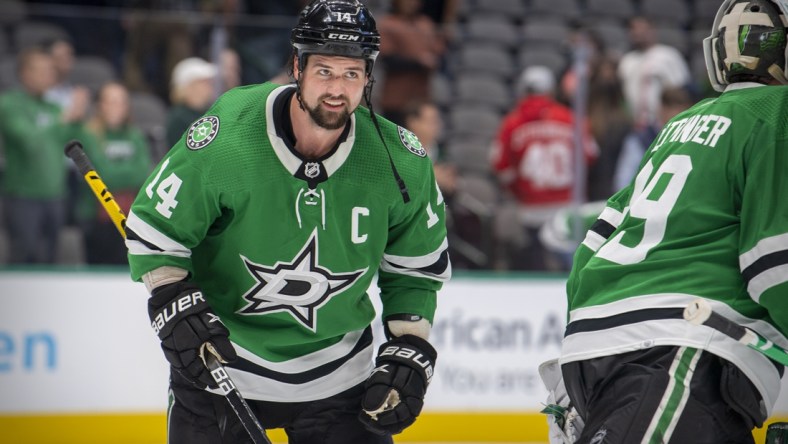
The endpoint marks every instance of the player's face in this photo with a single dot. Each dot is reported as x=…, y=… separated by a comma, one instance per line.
x=332, y=88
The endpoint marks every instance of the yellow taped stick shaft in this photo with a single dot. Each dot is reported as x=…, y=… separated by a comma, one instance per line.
x=76, y=152
x=107, y=201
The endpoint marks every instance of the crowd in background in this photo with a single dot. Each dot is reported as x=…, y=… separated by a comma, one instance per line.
x=504, y=158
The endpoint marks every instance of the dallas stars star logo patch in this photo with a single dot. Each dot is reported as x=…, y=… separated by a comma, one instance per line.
x=299, y=287
x=202, y=132
x=411, y=142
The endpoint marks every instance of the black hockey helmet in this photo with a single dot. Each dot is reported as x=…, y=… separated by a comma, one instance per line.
x=336, y=27
x=747, y=43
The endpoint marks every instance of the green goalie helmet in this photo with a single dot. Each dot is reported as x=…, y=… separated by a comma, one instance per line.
x=747, y=43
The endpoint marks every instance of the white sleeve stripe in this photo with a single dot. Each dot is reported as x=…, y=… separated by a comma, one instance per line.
x=762, y=248
x=611, y=216
x=139, y=249
x=155, y=237
x=417, y=261
x=766, y=280
x=443, y=277
x=593, y=240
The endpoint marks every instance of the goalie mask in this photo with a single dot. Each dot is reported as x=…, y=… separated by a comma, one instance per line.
x=747, y=43
x=336, y=27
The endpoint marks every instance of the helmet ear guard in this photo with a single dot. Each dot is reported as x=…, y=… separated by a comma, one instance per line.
x=747, y=41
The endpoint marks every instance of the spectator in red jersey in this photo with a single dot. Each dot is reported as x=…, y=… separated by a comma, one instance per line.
x=533, y=156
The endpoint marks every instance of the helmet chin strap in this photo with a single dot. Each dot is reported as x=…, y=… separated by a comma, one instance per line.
x=368, y=90
x=403, y=189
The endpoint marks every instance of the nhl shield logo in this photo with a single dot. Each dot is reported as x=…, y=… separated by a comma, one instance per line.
x=202, y=132
x=411, y=142
x=311, y=169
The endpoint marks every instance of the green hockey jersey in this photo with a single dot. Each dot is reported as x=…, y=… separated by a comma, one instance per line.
x=33, y=136
x=706, y=216
x=285, y=248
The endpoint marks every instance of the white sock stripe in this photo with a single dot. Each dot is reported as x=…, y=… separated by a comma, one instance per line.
x=661, y=412
x=172, y=401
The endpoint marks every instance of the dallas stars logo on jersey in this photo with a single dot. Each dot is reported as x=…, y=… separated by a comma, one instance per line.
x=411, y=142
x=299, y=287
x=202, y=132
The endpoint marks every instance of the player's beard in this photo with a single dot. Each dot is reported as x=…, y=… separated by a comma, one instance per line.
x=329, y=120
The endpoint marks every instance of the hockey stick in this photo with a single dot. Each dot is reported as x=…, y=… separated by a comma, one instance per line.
x=699, y=312
x=76, y=152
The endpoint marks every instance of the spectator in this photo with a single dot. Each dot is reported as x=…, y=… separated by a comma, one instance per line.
x=648, y=68
x=34, y=132
x=424, y=119
x=605, y=108
x=121, y=155
x=610, y=124
x=444, y=14
x=410, y=51
x=62, y=52
x=61, y=49
x=263, y=49
x=230, y=69
x=157, y=38
x=533, y=156
x=465, y=226
x=192, y=92
x=673, y=101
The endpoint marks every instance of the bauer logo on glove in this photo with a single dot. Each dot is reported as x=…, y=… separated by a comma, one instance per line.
x=413, y=355
x=178, y=306
x=186, y=324
x=394, y=392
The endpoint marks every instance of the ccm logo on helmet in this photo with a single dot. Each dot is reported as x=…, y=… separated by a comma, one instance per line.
x=345, y=37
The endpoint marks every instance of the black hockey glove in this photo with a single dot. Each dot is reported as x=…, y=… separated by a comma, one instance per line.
x=184, y=321
x=395, y=390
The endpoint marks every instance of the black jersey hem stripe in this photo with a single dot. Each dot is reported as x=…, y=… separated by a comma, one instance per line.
x=310, y=375
x=603, y=228
x=765, y=263
x=132, y=236
x=630, y=317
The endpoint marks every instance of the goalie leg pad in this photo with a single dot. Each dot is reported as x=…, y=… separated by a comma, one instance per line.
x=646, y=394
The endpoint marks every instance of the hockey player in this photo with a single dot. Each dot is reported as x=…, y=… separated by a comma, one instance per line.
x=261, y=231
x=706, y=216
